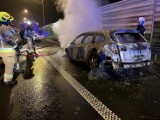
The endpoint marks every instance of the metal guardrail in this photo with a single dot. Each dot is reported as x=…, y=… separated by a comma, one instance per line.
x=155, y=50
x=157, y=14
x=125, y=14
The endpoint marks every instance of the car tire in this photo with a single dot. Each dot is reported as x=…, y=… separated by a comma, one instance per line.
x=93, y=61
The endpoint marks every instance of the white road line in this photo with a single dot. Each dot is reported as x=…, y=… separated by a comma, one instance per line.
x=103, y=110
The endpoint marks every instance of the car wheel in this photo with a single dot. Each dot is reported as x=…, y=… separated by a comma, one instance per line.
x=93, y=61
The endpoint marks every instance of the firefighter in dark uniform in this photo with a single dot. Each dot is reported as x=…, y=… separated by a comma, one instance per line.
x=140, y=26
x=29, y=37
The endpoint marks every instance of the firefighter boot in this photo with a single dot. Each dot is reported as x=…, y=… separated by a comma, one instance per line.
x=11, y=83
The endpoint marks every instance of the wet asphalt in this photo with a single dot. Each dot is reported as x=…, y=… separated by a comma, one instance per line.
x=48, y=96
x=134, y=96
x=45, y=95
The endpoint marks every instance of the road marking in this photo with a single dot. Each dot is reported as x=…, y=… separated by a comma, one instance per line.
x=103, y=110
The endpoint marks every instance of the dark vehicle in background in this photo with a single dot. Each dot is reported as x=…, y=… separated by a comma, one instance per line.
x=118, y=49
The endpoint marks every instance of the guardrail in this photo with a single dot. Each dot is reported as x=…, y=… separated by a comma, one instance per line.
x=155, y=51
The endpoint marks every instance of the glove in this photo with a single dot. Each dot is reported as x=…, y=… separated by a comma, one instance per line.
x=16, y=47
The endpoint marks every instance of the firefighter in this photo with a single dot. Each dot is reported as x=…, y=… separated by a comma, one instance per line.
x=30, y=57
x=140, y=26
x=29, y=36
x=21, y=33
x=8, y=47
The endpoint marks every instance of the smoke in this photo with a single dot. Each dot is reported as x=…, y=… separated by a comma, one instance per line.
x=79, y=16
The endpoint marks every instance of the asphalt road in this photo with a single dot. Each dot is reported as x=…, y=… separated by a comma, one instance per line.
x=48, y=96
x=135, y=96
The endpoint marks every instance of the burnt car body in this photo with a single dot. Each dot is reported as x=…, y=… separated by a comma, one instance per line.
x=116, y=48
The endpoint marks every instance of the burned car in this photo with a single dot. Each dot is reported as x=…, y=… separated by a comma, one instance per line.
x=118, y=49
x=128, y=49
x=84, y=48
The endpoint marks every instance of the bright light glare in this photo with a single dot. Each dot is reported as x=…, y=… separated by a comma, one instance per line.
x=25, y=11
x=29, y=22
x=24, y=18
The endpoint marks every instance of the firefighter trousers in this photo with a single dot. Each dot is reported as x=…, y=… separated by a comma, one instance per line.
x=30, y=45
x=9, y=59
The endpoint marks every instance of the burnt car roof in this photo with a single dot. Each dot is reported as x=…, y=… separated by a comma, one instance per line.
x=100, y=31
x=112, y=31
x=124, y=31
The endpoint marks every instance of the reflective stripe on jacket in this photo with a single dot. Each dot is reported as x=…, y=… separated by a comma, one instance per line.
x=9, y=76
x=7, y=50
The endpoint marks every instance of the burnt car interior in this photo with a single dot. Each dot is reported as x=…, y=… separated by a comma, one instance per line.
x=129, y=37
x=88, y=39
x=99, y=38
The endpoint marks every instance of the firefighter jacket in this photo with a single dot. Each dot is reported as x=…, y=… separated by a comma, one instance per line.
x=8, y=37
x=28, y=33
x=141, y=29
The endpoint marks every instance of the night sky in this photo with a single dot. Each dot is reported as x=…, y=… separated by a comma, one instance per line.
x=16, y=9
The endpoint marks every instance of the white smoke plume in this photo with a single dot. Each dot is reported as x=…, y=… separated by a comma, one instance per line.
x=79, y=16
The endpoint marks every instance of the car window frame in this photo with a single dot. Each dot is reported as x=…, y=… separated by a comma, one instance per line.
x=90, y=34
x=113, y=37
x=99, y=34
x=117, y=39
x=73, y=42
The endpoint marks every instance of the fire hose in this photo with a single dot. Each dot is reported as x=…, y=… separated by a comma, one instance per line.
x=35, y=54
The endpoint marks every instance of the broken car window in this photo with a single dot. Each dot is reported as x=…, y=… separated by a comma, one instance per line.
x=88, y=39
x=129, y=37
x=99, y=38
x=78, y=40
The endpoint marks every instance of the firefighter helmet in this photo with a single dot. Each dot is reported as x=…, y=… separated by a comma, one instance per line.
x=141, y=21
x=5, y=17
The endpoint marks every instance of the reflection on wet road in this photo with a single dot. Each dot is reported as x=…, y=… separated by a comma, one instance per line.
x=49, y=96
x=46, y=96
x=131, y=99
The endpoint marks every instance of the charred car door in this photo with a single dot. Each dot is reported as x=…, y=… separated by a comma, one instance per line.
x=74, y=47
x=85, y=46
